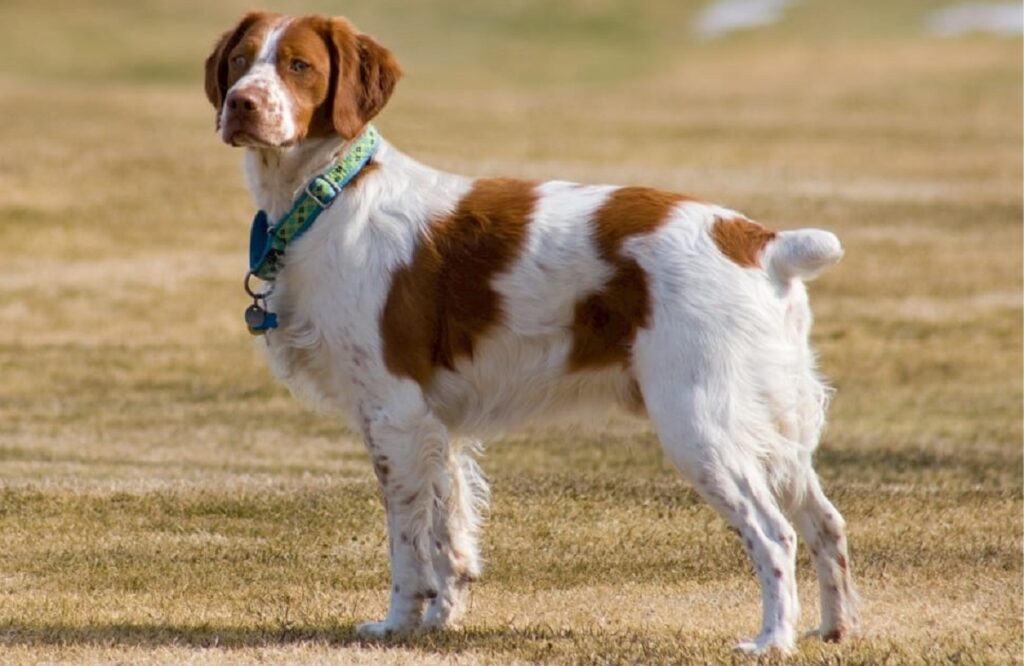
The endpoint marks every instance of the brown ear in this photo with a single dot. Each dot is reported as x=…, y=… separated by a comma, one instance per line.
x=364, y=74
x=378, y=73
x=217, y=63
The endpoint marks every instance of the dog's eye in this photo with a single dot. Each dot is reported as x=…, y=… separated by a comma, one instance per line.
x=298, y=66
x=239, y=61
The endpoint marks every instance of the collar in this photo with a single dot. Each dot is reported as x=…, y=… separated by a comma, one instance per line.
x=267, y=244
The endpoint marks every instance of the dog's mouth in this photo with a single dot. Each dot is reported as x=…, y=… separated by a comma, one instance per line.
x=243, y=139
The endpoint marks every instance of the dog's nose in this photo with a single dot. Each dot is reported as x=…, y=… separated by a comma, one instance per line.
x=239, y=101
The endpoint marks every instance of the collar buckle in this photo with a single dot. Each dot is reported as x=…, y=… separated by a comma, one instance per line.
x=320, y=183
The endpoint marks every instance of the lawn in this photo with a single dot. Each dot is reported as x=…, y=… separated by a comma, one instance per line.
x=164, y=501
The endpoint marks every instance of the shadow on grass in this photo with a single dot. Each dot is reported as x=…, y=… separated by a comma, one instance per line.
x=128, y=634
x=533, y=644
x=233, y=466
x=993, y=470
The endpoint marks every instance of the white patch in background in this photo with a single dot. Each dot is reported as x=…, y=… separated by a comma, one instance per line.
x=725, y=16
x=1001, y=18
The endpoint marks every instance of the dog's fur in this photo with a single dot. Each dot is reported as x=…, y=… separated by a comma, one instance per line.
x=427, y=305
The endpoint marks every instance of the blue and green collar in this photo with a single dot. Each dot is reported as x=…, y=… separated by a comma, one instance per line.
x=267, y=243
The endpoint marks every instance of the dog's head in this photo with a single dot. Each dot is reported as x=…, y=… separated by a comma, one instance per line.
x=276, y=80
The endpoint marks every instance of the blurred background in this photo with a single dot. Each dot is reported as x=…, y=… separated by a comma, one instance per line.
x=161, y=494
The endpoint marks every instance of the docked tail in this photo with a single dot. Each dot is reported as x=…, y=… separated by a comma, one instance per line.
x=801, y=254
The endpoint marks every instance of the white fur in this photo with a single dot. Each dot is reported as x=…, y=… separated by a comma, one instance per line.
x=724, y=367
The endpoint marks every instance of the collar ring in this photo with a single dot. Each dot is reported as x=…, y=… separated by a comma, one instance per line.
x=256, y=295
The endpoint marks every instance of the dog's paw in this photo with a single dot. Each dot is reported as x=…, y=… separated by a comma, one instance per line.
x=765, y=643
x=444, y=611
x=377, y=630
x=833, y=635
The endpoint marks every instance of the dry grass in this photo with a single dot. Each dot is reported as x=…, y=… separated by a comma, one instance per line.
x=163, y=501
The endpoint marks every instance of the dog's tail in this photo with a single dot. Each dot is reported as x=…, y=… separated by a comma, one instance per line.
x=800, y=254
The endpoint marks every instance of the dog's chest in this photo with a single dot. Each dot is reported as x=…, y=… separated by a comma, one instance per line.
x=328, y=298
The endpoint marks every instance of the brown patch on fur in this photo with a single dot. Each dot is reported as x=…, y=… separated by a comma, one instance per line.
x=310, y=39
x=440, y=304
x=741, y=240
x=362, y=77
x=605, y=322
x=349, y=80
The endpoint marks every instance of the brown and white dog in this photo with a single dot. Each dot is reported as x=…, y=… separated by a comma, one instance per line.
x=428, y=306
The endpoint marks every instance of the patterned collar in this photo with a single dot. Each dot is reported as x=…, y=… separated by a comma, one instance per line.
x=267, y=244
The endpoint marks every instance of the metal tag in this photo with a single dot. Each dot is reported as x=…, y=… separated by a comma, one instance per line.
x=255, y=317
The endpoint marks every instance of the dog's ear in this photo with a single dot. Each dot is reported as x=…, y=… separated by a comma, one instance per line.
x=378, y=73
x=363, y=75
x=217, y=62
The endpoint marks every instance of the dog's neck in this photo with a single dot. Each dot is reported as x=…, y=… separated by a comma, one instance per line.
x=276, y=175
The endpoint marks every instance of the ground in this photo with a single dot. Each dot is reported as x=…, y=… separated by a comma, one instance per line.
x=164, y=501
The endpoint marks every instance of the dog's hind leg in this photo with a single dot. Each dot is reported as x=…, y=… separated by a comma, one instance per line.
x=457, y=524
x=701, y=430
x=824, y=530
x=817, y=521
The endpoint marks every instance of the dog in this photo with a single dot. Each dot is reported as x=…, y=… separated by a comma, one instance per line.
x=429, y=307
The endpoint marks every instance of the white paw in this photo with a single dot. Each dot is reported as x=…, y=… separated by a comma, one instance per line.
x=749, y=647
x=377, y=630
x=766, y=643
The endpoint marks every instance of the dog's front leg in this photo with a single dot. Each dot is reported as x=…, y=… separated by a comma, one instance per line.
x=409, y=452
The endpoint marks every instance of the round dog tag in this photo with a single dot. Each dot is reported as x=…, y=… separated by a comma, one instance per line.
x=255, y=317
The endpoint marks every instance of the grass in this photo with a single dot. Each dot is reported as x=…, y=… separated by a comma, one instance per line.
x=163, y=501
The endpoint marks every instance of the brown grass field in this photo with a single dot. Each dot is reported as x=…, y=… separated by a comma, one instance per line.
x=162, y=500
